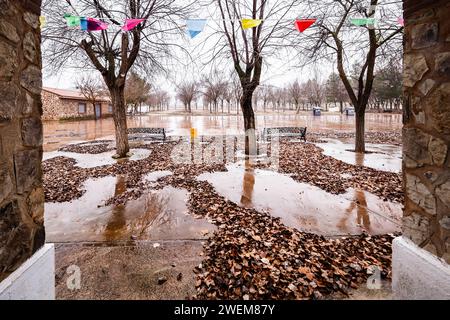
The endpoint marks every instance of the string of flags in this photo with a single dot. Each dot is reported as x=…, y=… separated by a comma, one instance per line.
x=193, y=26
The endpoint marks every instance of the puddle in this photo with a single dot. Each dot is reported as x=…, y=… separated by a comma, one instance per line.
x=58, y=133
x=96, y=160
x=384, y=157
x=157, y=215
x=306, y=207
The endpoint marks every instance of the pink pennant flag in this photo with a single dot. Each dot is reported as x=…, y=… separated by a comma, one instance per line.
x=130, y=24
x=96, y=25
x=401, y=21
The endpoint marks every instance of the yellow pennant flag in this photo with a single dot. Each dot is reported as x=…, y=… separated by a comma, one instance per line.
x=42, y=21
x=250, y=23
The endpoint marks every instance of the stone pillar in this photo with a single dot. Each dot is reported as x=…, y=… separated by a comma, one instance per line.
x=421, y=256
x=21, y=193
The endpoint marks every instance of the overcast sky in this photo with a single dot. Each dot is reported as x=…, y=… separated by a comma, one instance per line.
x=277, y=71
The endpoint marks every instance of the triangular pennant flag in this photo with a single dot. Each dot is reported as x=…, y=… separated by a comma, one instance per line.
x=42, y=21
x=250, y=23
x=401, y=21
x=83, y=23
x=72, y=21
x=195, y=26
x=130, y=24
x=95, y=25
x=303, y=24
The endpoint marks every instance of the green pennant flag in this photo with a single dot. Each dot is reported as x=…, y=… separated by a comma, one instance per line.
x=72, y=21
x=362, y=21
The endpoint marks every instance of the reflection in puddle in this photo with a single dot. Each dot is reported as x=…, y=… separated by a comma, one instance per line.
x=207, y=125
x=96, y=160
x=157, y=215
x=384, y=157
x=306, y=207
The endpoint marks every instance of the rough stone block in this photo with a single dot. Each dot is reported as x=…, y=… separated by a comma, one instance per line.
x=29, y=47
x=443, y=192
x=32, y=132
x=27, y=169
x=416, y=228
x=418, y=193
x=426, y=86
x=9, y=94
x=415, y=148
x=438, y=150
x=8, y=61
x=14, y=238
x=442, y=64
x=424, y=35
x=9, y=31
x=439, y=103
x=32, y=19
x=6, y=185
x=31, y=79
x=415, y=66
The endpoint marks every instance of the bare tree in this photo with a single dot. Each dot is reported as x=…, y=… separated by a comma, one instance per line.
x=336, y=38
x=187, y=92
x=137, y=91
x=335, y=91
x=295, y=93
x=91, y=88
x=215, y=87
x=247, y=47
x=111, y=51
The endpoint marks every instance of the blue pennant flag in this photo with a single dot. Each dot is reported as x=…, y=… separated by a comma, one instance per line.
x=195, y=26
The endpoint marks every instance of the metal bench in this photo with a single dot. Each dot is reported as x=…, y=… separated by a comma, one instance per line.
x=143, y=133
x=285, y=132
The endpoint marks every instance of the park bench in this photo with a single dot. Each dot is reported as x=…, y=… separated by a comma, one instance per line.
x=143, y=133
x=285, y=132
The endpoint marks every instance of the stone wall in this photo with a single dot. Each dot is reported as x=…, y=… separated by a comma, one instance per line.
x=426, y=132
x=21, y=193
x=55, y=108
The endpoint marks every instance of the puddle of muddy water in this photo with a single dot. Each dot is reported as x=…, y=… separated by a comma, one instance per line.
x=157, y=215
x=303, y=206
x=96, y=160
x=382, y=157
x=177, y=125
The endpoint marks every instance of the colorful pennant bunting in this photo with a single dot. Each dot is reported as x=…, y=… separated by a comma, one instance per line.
x=130, y=24
x=91, y=24
x=250, y=23
x=195, y=26
x=303, y=24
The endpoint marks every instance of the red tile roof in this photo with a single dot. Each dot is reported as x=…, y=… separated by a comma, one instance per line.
x=71, y=94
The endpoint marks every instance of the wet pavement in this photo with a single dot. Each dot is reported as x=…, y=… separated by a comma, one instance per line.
x=305, y=207
x=57, y=134
x=382, y=157
x=157, y=215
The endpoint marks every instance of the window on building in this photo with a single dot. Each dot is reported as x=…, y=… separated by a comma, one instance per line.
x=110, y=108
x=82, y=108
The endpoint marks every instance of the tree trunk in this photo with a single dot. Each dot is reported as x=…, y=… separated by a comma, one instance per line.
x=120, y=121
x=359, y=137
x=249, y=122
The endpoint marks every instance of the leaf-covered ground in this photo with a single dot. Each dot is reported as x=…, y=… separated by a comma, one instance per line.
x=252, y=255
